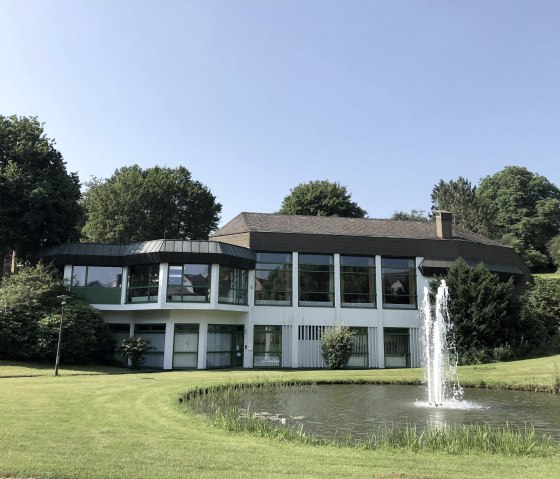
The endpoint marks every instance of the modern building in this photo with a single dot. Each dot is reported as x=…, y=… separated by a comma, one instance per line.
x=261, y=292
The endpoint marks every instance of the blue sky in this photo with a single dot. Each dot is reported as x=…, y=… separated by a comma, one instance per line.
x=255, y=97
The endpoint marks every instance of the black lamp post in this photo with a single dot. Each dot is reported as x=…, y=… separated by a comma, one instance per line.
x=63, y=297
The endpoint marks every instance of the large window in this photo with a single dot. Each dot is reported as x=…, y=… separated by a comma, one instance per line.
x=189, y=282
x=360, y=356
x=397, y=347
x=185, y=346
x=233, y=285
x=316, y=280
x=156, y=334
x=98, y=284
x=119, y=331
x=267, y=347
x=221, y=346
x=143, y=283
x=357, y=281
x=273, y=279
x=399, y=283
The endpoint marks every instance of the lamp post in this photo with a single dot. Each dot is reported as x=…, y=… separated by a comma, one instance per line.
x=63, y=297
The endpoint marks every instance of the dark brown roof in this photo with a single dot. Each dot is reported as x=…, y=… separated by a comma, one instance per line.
x=331, y=225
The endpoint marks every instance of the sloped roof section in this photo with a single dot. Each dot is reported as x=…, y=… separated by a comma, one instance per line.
x=332, y=225
x=155, y=251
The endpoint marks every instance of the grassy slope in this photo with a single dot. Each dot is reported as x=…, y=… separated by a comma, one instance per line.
x=92, y=423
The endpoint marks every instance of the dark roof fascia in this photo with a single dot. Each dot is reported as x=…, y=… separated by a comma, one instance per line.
x=399, y=247
x=157, y=251
x=440, y=266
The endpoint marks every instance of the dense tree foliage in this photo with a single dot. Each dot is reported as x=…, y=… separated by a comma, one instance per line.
x=553, y=247
x=540, y=312
x=413, y=215
x=321, y=198
x=337, y=345
x=460, y=198
x=39, y=200
x=523, y=205
x=138, y=205
x=481, y=309
x=30, y=309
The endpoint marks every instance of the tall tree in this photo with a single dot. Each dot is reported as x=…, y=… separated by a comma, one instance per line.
x=321, y=198
x=39, y=199
x=460, y=198
x=524, y=207
x=138, y=205
x=481, y=308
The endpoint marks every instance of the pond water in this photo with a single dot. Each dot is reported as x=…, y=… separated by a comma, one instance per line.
x=336, y=410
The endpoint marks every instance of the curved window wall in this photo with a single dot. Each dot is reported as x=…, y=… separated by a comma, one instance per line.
x=143, y=283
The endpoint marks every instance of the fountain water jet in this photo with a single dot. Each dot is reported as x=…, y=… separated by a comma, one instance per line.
x=440, y=357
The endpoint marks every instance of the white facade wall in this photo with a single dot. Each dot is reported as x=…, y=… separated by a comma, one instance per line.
x=295, y=352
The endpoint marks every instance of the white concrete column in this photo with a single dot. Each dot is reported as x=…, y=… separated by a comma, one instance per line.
x=162, y=283
x=125, y=273
x=169, y=340
x=336, y=279
x=248, y=339
x=380, y=328
x=251, y=287
x=202, y=343
x=214, y=283
x=295, y=309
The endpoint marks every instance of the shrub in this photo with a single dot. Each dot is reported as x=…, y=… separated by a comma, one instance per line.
x=336, y=346
x=134, y=350
x=85, y=336
x=30, y=308
x=553, y=248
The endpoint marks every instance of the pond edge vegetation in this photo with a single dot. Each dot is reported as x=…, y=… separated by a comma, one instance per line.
x=457, y=439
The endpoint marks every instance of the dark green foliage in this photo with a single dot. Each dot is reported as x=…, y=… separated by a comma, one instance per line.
x=414, y=215
x=39, y=200
x=139, y=205
x=522, y=204
x=336, y=346
x=30, y=309
x=321, y=198
x=481, y=310
x=134, y=350
x=85, y=336
x=553, y=248
x=540, y=312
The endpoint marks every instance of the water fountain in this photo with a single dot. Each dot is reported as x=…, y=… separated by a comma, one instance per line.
x=440, y=357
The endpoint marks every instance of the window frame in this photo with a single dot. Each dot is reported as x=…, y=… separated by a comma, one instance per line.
x=153, y=274
x=183, y=286
x=371, y=274
x=411, y=280
x=310, y=268
x=286, y=268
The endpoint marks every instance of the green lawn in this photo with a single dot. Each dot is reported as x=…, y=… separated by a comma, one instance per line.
x=100, y=423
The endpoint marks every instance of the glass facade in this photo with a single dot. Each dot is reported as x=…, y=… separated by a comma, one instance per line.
x=360, y=355
x=189, y=283
x=267, y=347
x=397, y=347
x=233, y=285
x=98, y=284
x=221, y=346
x=185, y=346
x=143, y=283
x=156, y=334
x=273, y=279
x=316, y=280
x=399, y=283
x=357, y=281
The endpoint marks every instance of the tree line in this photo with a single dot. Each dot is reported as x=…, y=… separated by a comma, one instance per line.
x=41, y=204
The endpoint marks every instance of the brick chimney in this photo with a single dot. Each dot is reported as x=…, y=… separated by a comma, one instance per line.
x=444, y=222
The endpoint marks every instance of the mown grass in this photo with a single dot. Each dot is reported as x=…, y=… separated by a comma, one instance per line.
x=98, y=423
x=548, y=275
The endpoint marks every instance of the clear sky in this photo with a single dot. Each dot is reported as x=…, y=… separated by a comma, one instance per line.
x=256, y=96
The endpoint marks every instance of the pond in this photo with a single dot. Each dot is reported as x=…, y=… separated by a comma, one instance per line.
x=335, y=410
